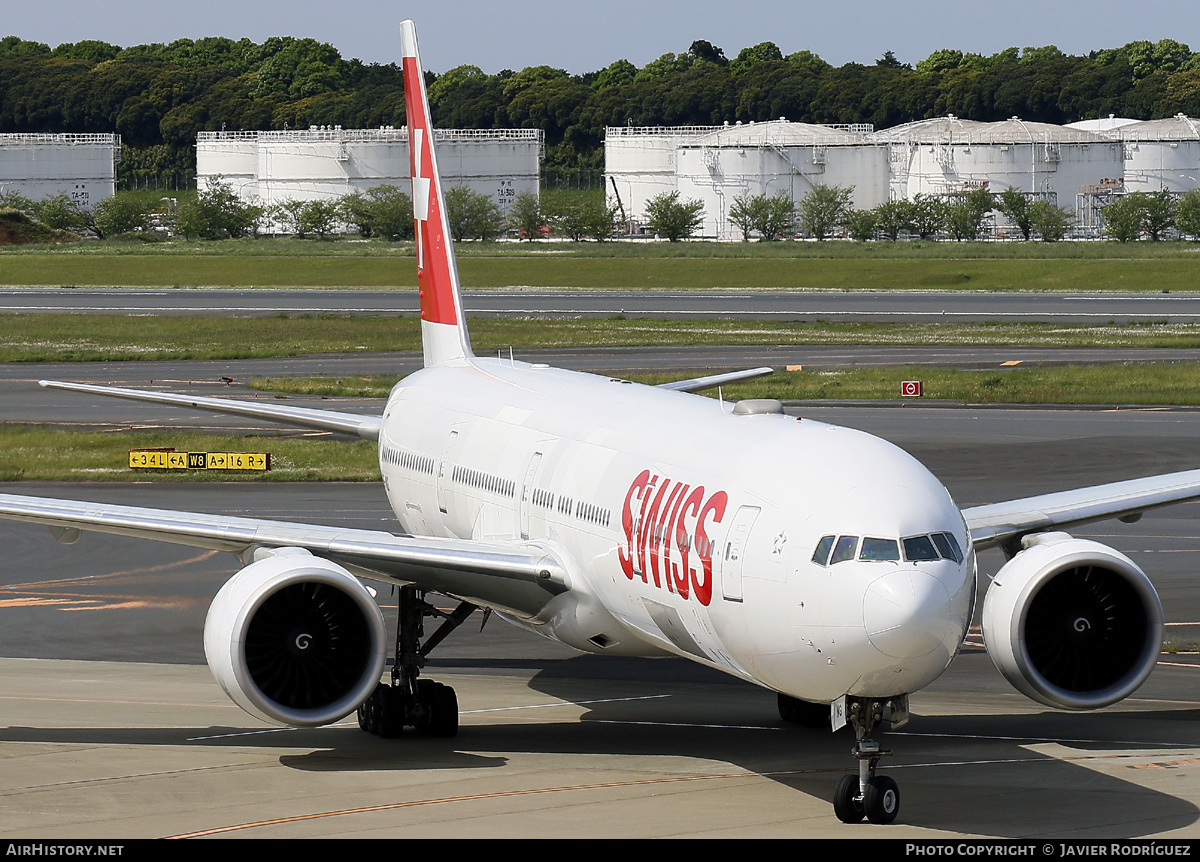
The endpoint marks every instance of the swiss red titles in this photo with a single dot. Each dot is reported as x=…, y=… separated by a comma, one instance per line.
x=667, y=541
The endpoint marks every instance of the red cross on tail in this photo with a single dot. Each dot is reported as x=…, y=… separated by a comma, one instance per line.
x=443, y=326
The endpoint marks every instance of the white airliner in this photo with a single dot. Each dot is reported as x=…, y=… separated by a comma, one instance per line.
x=819, y=562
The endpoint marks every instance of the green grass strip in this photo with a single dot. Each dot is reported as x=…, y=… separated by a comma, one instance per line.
x=573, y=270
x=78, y=337
x=1115, y=384
x=29, y=452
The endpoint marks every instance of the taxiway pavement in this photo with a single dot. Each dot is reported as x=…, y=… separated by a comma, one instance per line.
x=933, y=306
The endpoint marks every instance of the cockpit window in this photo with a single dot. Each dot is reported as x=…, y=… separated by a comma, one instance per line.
x=919, y=548
x=879, y=549
x=938, y=546
x=821, y=554
x=948, y=546
x=844, y=549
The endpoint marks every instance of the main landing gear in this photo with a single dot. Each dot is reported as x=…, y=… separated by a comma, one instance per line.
x=429, y=707
x=875, y=797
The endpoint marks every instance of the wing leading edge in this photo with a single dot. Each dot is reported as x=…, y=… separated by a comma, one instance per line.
x=325, y=420
x=999, y=524
x=711, y=381
x=515, y=577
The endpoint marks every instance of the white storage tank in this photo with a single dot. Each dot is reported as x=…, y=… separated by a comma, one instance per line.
x=1103, y=125
x=232, y=156
x=327, y=162
x=1162, y=155
x=778, y=156
x=40, y=166
x=639, y=162
x=949, y=155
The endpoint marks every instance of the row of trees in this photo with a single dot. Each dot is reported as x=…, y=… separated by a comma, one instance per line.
x=827, y=209
x=384, y=211
x=157, y=97
x=217, y=212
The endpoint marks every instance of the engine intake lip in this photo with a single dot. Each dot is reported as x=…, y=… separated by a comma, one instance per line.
x=1072, y=623
x=295, y=640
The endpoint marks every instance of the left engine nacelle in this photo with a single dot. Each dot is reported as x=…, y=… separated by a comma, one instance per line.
x=295, y=639
x=1072, y=623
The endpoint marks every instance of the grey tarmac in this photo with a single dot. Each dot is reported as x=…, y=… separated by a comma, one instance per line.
x=867, y=306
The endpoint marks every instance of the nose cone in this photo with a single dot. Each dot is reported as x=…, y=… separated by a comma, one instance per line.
x=907, y=614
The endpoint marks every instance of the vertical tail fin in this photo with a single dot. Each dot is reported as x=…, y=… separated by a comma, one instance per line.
x=443, y=325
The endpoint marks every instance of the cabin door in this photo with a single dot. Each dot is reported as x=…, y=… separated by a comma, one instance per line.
x=527, y=492
x=736, y=541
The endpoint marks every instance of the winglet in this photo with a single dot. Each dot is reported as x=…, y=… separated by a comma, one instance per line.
x=443, y=325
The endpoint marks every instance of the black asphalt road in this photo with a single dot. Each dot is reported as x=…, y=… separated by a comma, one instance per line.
x=806, y=305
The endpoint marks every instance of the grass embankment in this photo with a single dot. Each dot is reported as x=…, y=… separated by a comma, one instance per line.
x=39, y=454
x=79, y=338
x=835, y=265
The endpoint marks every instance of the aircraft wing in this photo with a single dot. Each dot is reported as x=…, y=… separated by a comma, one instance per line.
x=326, y=420
x=695, y=384
x=515, y=577
x=999, y=523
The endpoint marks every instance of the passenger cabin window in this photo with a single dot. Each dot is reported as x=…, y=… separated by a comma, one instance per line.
x=879, y=549
x=844, y=549
x=821, y=554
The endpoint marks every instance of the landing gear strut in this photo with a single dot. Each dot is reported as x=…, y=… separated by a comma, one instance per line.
x=431, y=708
x=875, y=797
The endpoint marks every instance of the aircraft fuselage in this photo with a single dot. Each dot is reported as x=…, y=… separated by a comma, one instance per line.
x=688, y=529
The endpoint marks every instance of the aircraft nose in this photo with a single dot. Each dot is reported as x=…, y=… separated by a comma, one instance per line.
x=906, y=613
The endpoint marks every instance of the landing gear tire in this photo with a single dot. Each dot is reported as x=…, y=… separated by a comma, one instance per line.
x=846, y=805
x=390, y=712
x=370, y=710
x=881, y=803
x=437, y=708
x=801, y=712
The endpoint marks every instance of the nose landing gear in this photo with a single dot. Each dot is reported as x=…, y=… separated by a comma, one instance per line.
x=876, y=797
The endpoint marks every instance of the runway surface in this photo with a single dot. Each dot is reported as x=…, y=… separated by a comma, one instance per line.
x=751, y=304
x=111, y=728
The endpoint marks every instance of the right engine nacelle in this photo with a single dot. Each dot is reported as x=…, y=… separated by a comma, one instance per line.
x=1072, y=623
x=295, y=639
